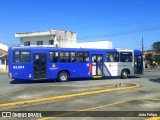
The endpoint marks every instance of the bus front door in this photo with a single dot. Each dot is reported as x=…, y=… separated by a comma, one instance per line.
x=39, y=66
x=138, y=64
x=97, y=65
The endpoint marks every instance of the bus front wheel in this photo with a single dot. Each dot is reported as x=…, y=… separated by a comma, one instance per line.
x=63, y=76
x=124, y=74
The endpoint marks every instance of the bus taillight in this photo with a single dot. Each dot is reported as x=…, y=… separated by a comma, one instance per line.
x=90, y=68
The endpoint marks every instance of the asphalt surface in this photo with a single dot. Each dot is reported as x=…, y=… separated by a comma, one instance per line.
x=107, y=99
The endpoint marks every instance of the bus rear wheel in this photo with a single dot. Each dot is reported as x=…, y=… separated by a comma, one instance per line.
x=63, y=76
x=124, y=74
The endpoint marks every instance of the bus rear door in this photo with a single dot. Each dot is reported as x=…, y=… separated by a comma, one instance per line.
x=138, y=64
x=39, y=66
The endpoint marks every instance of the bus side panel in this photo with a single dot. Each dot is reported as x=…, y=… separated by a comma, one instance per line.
x=115, y=68
x=52, y=70
x=111, y=69
x=76, y=70
x=80, y=70
x=126, y=65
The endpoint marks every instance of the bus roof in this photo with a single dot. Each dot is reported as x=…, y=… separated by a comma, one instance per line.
x=137, y=52
x=60, y=49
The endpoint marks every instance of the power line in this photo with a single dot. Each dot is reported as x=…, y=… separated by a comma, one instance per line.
x=105, y=35
x=121, y=33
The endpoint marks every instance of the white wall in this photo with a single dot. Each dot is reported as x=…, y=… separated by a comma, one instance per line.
x=66, y=39
x=3, y=46
x=61, y=38
x=33, y=40
x=3, y=66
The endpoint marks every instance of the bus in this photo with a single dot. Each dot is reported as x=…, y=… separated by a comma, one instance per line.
x=62, y=64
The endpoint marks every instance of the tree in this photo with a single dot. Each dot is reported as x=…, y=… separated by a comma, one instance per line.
x=157, y=58
x=156, y=47
x=149, y=57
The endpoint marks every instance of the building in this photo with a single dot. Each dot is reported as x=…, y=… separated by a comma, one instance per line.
x=3, y=56
x=52, y=38
x=58, y=38
x=3, y=47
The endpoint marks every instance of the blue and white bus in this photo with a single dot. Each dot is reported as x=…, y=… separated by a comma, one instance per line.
x=62, y=64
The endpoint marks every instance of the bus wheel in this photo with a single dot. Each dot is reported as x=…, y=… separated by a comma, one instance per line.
x=124, y=74
x=63, y=76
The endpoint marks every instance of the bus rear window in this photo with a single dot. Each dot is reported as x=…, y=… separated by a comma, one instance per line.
x=21, y=57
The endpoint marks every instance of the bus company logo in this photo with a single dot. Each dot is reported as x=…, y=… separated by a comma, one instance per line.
x=53, y=66
x=110, y=65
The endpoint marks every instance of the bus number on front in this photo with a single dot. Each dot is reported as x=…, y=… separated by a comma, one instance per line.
x=18, y=67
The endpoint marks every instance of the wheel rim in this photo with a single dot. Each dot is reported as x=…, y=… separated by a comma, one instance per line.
x=125, y=74
x=63, y=77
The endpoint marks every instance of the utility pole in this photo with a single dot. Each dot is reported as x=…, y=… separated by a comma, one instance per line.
x=143, y=56
x=142, y=46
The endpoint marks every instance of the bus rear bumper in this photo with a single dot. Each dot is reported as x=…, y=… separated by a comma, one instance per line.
x=10, y=75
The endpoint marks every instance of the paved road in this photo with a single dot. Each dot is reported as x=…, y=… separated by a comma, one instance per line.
x=133, y=94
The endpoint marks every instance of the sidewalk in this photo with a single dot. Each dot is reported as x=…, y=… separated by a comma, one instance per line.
x=156, y=69
x=3, y=71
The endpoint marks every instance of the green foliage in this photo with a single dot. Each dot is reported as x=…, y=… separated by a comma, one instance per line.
x=157, y=58
x=156, y=47
x=149, y=57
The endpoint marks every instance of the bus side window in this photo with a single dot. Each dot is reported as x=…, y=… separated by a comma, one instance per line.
x=82, y=57
x=86, y=57
x=72, y=57
x=64, y=57
x=79, y=56
x=125, y=57
x=116, y=57
x=53, y=56
x=112, y=57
